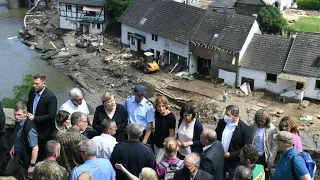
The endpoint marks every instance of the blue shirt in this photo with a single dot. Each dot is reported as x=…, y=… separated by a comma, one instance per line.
x=18, y=141
x=99, y=168
x=283, y=169
x=36, y=100
x=142, y=112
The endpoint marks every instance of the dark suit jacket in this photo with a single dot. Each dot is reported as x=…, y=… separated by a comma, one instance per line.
x=212, y=160
x=241, y=136
x=45, y=112
x=201, y=175
x=2, y=121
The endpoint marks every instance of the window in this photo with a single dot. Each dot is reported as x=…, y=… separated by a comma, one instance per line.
x=133, y=41
x=154, y=37
x=317, y=84
x=93, y=25
x=129, y=33
x=98, y=26
x=271, y=77
x=80, y=8
x=69, y=7
x=299, y=86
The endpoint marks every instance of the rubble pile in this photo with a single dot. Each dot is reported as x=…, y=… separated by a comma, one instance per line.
x=302, y=12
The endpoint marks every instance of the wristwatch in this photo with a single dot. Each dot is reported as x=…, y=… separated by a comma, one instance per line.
x=32, y=164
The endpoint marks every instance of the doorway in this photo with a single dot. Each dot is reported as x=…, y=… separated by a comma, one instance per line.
x=250, y=81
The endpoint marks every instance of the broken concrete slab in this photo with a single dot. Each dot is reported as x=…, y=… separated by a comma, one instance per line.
x=304, y=103
x=280, y=111
x=69, y=40
x=309, y=118
x=261, y=105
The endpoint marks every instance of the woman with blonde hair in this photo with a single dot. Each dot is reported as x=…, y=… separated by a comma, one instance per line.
x=146, y=173
x=262, y=135
x=111, y=110
x=165, y=124
x=171, y=147
x=288, y=124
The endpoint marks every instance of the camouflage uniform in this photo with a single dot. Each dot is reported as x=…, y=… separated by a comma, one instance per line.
x=49, y=170
x=69, y=155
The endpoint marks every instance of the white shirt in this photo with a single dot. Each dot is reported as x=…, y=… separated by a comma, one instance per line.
x=225, y=94
x=105, y=144
x=227, y=135
x=71, y=108
x=259, y=140
x=186, y=134
x=207, y=147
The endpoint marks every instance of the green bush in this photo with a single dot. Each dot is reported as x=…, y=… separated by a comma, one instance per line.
x=309, y=4
x=20, y=92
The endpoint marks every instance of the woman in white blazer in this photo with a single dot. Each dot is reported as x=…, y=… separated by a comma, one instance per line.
x=262, y=137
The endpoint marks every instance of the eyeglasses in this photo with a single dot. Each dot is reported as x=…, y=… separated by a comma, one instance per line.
x=115, y=128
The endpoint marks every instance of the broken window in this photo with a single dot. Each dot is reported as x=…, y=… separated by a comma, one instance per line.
x=93, y=25
x=129, y=33
x=98, y=26
x=80, y=8
x=317, y=84
x=133, y=41
x=299, y=86
x=271, y=77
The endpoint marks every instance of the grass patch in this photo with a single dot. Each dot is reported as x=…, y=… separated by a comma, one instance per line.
x=307, y=24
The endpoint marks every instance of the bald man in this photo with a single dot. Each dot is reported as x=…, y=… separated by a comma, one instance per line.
x=212, y=158
x=191, y=170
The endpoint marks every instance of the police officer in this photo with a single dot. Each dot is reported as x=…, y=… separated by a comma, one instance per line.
x=140, y=110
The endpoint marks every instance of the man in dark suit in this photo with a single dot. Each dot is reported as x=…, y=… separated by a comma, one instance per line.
x=132, y=154
x=212, y=158
x=3, y=144
x=233, y=134
x=42, y=109
x=191, y=169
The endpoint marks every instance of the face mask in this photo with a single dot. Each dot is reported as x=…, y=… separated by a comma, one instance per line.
x=227, y=118
x=186, y=171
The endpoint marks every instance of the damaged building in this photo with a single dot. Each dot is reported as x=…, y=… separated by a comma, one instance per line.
x=84, y=16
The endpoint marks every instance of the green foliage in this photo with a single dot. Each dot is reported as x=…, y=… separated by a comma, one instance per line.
x=271, y=19
x=116, y=7
x=307, y=24
x=309, y=4
x=20, y=92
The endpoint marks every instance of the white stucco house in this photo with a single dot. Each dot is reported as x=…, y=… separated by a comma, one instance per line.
x=189, y=2
x=286, y=67
x=86, y=16
x=162, y=27
x=217, y=46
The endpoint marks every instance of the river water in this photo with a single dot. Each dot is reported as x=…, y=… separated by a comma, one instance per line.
x=16, y=59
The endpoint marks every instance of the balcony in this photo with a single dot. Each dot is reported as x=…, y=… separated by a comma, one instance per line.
x=91, y=19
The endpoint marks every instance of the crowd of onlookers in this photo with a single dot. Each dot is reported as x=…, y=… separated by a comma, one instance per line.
x=140, y=140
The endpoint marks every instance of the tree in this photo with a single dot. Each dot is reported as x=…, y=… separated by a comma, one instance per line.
x=116, y=7
x=271, y=20
x=20, y=92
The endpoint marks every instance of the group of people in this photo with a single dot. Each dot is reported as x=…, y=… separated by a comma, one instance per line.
x=140, y=140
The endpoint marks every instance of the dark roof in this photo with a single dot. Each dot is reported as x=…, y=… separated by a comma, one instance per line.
x=167, y=18
x=232, y=30
x=222, y=3
x=253, y=2
x=304, y=55
x=266, y=53
x=85, y=2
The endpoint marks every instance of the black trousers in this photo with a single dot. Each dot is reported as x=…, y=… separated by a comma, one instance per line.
x=262, y=160
x=3, y=148
x=42, y=149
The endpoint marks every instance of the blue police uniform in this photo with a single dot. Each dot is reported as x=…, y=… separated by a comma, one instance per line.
x=142, y=112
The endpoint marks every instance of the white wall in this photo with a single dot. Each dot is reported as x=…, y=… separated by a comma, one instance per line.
x=193, y=64
x=189, y=2
x=229, y=77
x=310, y=90
x=160, y=45
x=261, y=83
x=255, y=29
x=68, y=22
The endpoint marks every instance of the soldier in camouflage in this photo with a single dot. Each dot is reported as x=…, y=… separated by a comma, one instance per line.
x=69, y=139
x=49, y=169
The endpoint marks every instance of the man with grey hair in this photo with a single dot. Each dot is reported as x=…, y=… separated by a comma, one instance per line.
x=133, y=154
x=69, y=140
x=76, y=103
x=233, y=134
x=243, y=173
x=99, y=168
x=191, y=169
x=49, y=169
x=212, y=158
